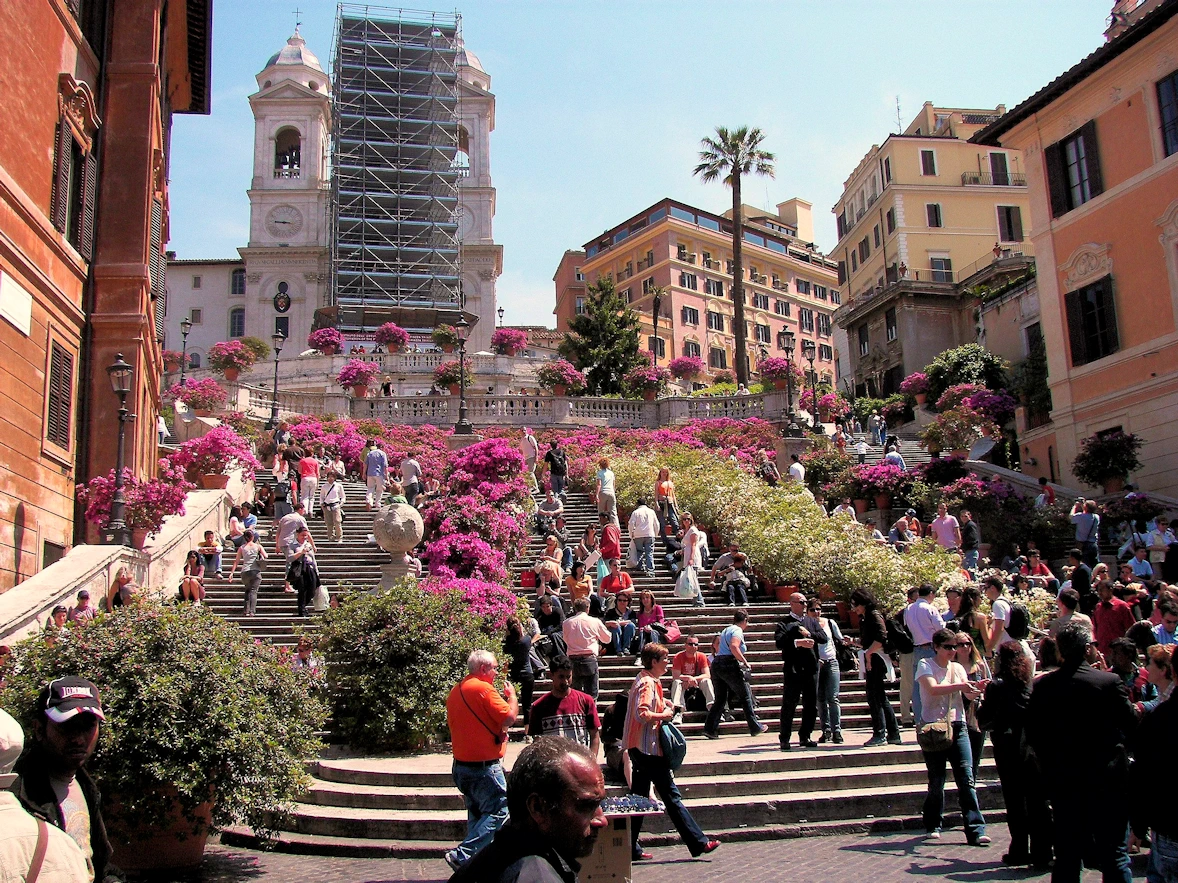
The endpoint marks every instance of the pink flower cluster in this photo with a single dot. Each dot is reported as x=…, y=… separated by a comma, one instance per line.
x=392, y=335
x=560, y=373
x=914, y=384
x=974, y=491
x=231, y=354
x=148, y=501
x=465, y=555
x=449, y=373
x=357, y=372
x=997, y=407
x=490, y=600
x=777, y=368
x=958, y=394
x=686, y=366
x=504, y=339
x=326, y=338
x=882, y=478
x=348, y=438
x=503, y=526
x=217, y=452
x=200, y=395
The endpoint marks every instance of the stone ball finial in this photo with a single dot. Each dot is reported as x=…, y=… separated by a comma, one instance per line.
x=398, y=528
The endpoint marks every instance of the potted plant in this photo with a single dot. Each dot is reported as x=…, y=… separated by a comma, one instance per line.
x=880, y=482
x=212, y=456
x=258, y=347
x=202, y=396
x=895, y=413
x=328, y=341
x=723, y=376
x=392, y=336
x=1133, y=507
x=148, y=501
x=172, y=359
x=832, y=405
x=956, y=429
x=779, y=371
x=450, y=374
x=205, y=727
x=957, y=395
x=1107, y=459
x=508, y=341
x=686, y=367
x=358, y=375
x=445, y=336
x=561, y=377
x=916, y=385
x=231, y=357
x=648, y=380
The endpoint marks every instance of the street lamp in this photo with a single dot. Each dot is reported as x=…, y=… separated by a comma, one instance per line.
x=120, y=381
x=277, y=339
x=500, y=312
x=462, y=427
x=185, y=327
x=809, y=350
x=786, y=340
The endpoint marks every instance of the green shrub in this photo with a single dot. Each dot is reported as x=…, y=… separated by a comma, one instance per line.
x=391, y=660
x=192, y=704
x=971, y=363
x=258, y=347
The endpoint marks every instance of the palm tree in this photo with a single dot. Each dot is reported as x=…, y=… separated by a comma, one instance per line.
x=733, y=154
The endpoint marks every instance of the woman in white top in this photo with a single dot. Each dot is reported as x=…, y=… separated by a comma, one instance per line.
x=943, y=683
x=605, y=492
x=693, y=544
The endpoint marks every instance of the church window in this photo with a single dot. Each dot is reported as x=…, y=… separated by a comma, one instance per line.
x=237, y=322
x=237, y=282
x=287, y=154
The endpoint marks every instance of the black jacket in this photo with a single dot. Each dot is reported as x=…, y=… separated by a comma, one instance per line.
x=36, y=794
x=1079, y=723
x=798, y=660
x=1153, y=751
x=510, y=846
x=1082, y=579
x=872, y=629
x=1003, y=711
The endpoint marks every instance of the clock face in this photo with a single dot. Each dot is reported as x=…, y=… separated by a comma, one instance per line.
x=284, y=221
x=465, y=222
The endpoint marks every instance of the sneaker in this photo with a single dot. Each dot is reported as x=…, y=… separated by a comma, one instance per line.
x=712, y=846
x=825, y=737
x=727, y=717
x=712, y=736
x=641, y=856
x=982, y=841
x=452, y=860
x=762, y=731
x=837, y=738
x=220, y=575
x=933, y=835
x=895, y=740
x=875, y=742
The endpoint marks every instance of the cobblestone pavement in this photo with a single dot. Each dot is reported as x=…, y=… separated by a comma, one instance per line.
x=878, y=858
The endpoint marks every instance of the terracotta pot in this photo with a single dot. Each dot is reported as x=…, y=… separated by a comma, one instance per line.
x=139, y=537
x=360, y=390
x=447, y=347
x=983, y=551
x=455, y=389
x=509, y=351
x=214, y=482
x=716, y=540
x=329, y=350
x=560, y=390
x=1113, y=485
x=844, y=610
x=783, y=593
x=203, y=412
x=883, y=501
x=860, y=507
x=170, y=845
x=960, y=453
x=921, y=398
x=825, y=593
x=232, y=374
x=780, y=384
x=650, y=394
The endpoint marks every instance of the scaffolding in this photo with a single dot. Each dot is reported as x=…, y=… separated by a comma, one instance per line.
x=395, y=246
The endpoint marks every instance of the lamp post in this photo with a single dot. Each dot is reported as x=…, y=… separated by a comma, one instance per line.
x=277, y=339
x=500, y=312
x=786, y=341
x=120, y=381
x=185, y=327
x=809, y=350
x=462, y=427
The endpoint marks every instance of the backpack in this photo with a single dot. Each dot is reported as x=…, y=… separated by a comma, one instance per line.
x=613, y=721
x=1020, y=622
x=899, y=639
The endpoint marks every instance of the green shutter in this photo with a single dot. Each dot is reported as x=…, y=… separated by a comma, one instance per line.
x=1057, y=182
x=1073, y=305
x=1092, y=158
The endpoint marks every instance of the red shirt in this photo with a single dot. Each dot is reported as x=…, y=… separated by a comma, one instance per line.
x=693, y=668
x=611, y=585
x=611, y=542
x=308, y=467
x=1111, y=620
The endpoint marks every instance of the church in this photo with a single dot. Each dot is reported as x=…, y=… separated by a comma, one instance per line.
x=283, y=276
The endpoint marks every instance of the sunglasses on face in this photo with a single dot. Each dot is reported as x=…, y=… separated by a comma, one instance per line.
x=693, y=643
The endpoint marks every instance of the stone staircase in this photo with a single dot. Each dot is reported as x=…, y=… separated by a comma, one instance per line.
x=738, y=787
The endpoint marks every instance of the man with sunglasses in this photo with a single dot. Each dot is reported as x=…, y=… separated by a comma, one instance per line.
x=690, y=671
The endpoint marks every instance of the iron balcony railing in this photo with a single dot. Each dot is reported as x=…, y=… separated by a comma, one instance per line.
x=982, y=179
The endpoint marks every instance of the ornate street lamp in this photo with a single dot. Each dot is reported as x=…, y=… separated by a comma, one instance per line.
x=120, y=381
x=809, y=350
x=500, y=312
x=786, y=341
x=462, y=427
x=277, y=339
x=185, y=327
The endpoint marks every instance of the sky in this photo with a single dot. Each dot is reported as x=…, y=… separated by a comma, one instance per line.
x=601, y=105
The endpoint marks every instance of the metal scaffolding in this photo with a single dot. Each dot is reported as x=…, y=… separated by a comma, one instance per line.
x=395, y=183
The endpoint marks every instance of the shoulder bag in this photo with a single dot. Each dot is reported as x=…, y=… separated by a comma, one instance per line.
x=938, y=735
x=673, y=744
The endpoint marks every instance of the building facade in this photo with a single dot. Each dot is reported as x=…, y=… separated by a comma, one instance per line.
x=790, y=287
x=84, y=119
x=1101, y=143
x=920, y=215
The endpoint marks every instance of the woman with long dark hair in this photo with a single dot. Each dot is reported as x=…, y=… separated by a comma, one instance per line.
x=872, y=638
x=1003, y=711
x=518, y=646
x=966, y=655
x=192, y=583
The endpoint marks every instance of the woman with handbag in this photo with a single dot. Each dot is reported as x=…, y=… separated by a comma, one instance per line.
x=647, y=712
x=650, y=620
x=943, y=739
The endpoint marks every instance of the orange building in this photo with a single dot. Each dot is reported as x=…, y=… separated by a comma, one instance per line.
x=89, y=89
x=1101, y=149
x=790, y=285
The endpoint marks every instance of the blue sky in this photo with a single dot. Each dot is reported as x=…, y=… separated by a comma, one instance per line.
x=601, y=105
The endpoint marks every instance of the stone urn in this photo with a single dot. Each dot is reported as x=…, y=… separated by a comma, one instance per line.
x=397, y=529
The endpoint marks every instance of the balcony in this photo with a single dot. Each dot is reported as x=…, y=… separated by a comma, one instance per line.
x=287, y=172
x=981, y=179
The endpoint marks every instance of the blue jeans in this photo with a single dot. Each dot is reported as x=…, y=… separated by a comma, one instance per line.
x=919, y=653
x=969, y=560
x=623, y=637
x=212, y=562
x=484, y=790
x=830, y=711
x=960, y=761
x=652, y=769
x=1163, y=860
x=645, y=547
x=557, y=482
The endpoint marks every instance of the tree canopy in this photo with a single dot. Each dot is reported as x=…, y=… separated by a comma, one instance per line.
x=603, y=341
x=971, y=363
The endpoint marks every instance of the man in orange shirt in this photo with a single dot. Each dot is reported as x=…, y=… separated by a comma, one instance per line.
x=479, y=718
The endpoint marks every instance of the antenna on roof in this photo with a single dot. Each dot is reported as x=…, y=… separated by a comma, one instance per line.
x=899, y=125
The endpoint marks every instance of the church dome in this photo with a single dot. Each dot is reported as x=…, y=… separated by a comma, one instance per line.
x=295, y=52
x=468, y=58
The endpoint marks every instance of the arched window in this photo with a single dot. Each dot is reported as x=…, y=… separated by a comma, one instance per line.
x=237, y=282
x=194, y=360
x=462, y=157
x=237, y=322
x=287, y=153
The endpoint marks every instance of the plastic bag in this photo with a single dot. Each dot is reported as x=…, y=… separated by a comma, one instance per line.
x=687, y=586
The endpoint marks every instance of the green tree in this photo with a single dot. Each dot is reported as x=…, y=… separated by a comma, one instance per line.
x=971, y=363
x=603, y=341
x=733, y=154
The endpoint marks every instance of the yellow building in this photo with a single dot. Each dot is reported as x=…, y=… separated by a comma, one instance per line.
x=921, y=213
x=789, y=286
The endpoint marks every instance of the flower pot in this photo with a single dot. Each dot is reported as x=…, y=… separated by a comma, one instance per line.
x=360, y=390
x=716, y=540
x=139, y=537
x=1114, y=485
x=860, y=507
x=232, y=374
x=650, y=394
x=329, y=350
x=447, y=347
x=921, y=398
x=883, y=501
x=844, y=610
x=509, y=351
x=560, y=390
x=169, y=845
x=825, y=593
x=203, y=412
x=454, y=389
x=783, y=593
x=779, y=383
x=961, y=453
x=983, y=551
x=214, y=482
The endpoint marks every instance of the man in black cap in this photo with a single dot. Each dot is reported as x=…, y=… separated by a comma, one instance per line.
x=53, y=783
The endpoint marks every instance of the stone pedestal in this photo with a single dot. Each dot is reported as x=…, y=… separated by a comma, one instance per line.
x=458, y=442
x=397, y=529
x=787, y=446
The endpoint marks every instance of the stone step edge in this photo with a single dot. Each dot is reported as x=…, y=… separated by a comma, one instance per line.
x=347, y=847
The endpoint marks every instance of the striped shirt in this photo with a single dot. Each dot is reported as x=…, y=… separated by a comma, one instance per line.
x=646, y=697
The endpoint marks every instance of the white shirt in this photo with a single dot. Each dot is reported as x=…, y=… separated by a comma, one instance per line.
x=693, y=539
x=797, y=471
x=1001, y=613
x=605, y=478
x=332, y=492
x=861, y=448
x=64, y=861
x=934, y=708
x=844, y=509
x=643, y=523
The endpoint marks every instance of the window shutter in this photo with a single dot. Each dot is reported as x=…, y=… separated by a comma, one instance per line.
x=1112, y=339
x=1075, y=312
x=158, y=266
x=60, y=394
x=1092, y=158
x=59, y=208
x=1056, y=182
x=1016, y=224
x=90, y=185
